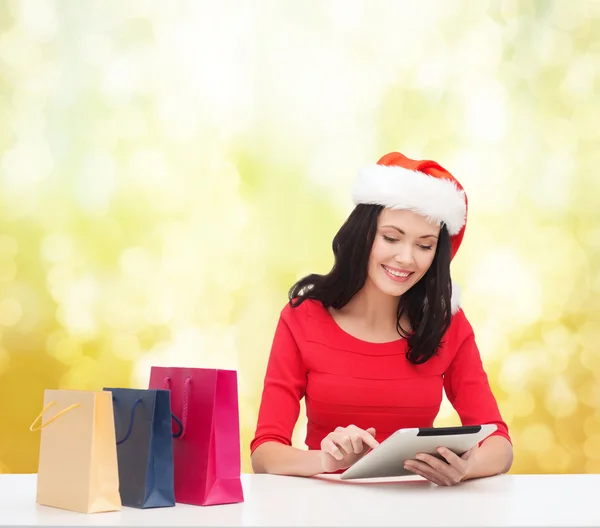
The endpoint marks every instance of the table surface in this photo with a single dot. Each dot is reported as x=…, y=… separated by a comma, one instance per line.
x=507, y=500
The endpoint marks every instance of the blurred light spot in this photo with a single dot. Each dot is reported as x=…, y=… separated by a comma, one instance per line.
x=8, y=246
x=493, y=270
x=591, y=447
x=120, y=81
x=179, y=120
x=132, y=124
x=126, y=347
x=524, y=403
x=561, y=345
x=148, y=168
x=589, y=393
x=592, y=425
x=37, y=19
x=96, y=47
x=57, y=247
x=59, y=281
x=25, y=165
x=511, y=9
x=537, y=438
x=160, y=308
x=552, y=47
x=487, y=111
x=10, y=312
x=66, y=350
x=561, y=400
x=592, y=466
x=515, y=372
x=82, y=375
x=590, y=358
x=579, y=79
x=96, y=182
x=17, y=52
x=138, y=8
x=136, y=262
x=8, y=271
x=568, y=16
x=492, y=341
x=76, y=310
x=557, y=168
x=4, y=360
x=588, y=335
x=556, y=459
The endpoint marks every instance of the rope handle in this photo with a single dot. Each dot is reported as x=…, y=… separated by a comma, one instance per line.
x=33, y=427
x=178, y=421
x=130, y=428
x=186, y=401
x=132, y=416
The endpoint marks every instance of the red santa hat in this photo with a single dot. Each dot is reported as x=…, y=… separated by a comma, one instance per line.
x=422, y=186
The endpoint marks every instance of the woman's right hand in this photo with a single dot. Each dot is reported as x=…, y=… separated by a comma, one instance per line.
x=344, y=446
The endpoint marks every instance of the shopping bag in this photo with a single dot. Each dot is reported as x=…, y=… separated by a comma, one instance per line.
x=144, y=447
x=78, y=454
x=207, y=451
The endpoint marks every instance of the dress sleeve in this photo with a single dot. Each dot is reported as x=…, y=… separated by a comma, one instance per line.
x=468, y=390
x=284, y=387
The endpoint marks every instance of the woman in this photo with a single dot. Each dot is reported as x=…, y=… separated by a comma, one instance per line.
x=371, y=345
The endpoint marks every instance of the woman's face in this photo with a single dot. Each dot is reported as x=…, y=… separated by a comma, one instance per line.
x=403, y=250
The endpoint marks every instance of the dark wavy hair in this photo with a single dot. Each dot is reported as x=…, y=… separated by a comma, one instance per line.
x=427, y=303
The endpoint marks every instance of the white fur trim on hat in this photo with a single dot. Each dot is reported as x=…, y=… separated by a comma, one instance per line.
x=396, y=187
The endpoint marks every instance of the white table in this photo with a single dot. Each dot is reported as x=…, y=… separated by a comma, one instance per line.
x=508, y=500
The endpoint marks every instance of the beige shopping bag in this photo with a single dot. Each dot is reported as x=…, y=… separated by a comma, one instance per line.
x=78, y=453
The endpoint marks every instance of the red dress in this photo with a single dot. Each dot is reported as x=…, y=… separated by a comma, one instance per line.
x=345, y=380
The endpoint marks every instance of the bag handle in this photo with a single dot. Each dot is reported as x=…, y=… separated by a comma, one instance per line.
x=186, y=399
x=130, y=428
x=33, y=427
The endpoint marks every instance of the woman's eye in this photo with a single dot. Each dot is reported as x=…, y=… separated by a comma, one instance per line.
x=426, y=248
x=389, y=239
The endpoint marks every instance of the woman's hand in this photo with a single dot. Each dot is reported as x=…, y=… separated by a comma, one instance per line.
x=448, y=472
x=344, y=446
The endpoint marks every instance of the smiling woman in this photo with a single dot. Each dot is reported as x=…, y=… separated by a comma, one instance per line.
x=372, y=344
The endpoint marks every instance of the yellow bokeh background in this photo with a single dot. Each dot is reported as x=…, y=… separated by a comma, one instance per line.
x=169, y=169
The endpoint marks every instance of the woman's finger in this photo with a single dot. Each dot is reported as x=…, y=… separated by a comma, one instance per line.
x=452, y=458
x=357, y=443
x=344, y=442
x=421, y=470
x=447, y=471
x=329, y=447
x=453, y=471
x=369, y=439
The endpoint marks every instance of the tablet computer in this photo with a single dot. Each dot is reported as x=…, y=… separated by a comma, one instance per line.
x=387, y=459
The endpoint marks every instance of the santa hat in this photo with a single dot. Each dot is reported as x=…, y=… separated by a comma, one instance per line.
x=422, y=186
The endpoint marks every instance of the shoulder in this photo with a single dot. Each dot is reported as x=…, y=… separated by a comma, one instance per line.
x=307, y=311
x=307, y=321
x=460, y=328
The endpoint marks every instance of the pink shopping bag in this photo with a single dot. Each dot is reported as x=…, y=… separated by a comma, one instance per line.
x=206, y=446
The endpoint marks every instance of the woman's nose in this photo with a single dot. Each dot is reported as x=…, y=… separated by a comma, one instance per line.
x=404, y=255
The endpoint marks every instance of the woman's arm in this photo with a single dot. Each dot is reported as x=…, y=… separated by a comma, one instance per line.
x=280, y=459
x=339, y=450
x=468, y=390
x=493, y=457
x=467, y=386
x=284, y=386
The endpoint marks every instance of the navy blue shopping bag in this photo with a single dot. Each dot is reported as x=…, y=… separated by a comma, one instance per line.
x=144, y=447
